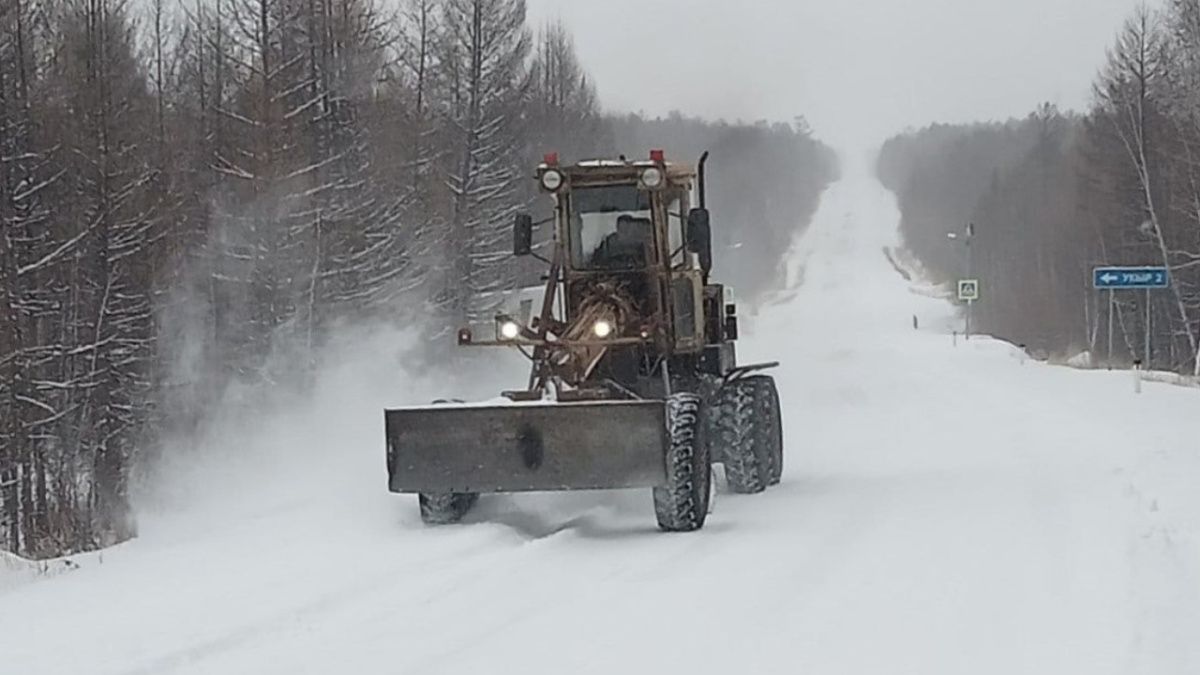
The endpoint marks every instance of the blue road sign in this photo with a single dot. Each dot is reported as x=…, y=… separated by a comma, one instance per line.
x=1118, y=278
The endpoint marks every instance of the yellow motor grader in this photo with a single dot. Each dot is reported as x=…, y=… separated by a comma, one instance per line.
x=634, y=381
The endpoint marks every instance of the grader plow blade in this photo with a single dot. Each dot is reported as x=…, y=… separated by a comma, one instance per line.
x=525, y=448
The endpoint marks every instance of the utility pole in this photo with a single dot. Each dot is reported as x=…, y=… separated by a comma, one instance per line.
x=969, y=235
x=970, y=303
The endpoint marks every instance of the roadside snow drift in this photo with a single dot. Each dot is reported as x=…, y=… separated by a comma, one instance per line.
x=944, y=510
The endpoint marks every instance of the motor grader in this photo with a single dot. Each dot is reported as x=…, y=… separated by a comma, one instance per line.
x=634, y=380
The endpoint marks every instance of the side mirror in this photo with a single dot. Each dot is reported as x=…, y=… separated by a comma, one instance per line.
x=731, y=327
x=699, y=237
x=523, y=235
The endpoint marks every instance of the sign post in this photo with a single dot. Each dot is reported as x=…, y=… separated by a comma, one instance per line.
x=1149, y=319
x=1112, y=305
x=1113, y=279
x=968, y=292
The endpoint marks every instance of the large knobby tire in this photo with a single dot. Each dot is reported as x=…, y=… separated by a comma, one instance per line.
x=748, y=433
x=682, y=505
x=746, y=464
x=446, y=509
x=772, y=422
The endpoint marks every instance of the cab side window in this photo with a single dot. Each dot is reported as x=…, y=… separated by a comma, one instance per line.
x=675, y=223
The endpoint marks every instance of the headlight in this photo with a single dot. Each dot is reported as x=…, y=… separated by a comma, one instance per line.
x=602, y=329
x=652, y=177
x=552, y=180
x=509, y=330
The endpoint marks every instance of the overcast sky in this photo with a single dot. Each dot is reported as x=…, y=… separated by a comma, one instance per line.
x=859, y=70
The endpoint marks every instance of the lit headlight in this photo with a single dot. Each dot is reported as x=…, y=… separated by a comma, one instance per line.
x=509, y=330
x=552, y=180
x=652, y=177
x=602, y=329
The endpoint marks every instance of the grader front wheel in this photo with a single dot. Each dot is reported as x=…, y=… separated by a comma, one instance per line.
x=446, y=509
x=682, y=505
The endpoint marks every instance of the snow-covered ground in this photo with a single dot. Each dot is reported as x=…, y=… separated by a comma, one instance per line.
x=944, y=510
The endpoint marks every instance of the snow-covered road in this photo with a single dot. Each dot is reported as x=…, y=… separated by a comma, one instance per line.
x=944, y=510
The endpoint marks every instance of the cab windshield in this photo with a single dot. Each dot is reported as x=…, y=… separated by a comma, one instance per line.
x=610, y=228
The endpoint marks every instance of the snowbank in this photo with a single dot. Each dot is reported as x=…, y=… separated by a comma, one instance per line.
x=1087, y=361
x=911, y=270
x=17, y=571
x=1082, y=360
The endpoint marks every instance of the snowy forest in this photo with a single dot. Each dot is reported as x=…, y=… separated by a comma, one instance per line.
x=1057, y=193
x=189, y=188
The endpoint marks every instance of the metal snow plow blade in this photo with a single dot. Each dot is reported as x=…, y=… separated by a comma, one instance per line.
x=524, y=448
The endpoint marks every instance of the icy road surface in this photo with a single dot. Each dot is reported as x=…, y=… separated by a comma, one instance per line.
x=944, y=510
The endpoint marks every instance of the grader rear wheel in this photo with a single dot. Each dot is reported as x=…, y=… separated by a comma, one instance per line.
x=749, y=434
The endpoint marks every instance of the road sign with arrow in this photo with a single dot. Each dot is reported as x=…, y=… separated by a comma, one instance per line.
x=1146, y=278
x=1128, y=278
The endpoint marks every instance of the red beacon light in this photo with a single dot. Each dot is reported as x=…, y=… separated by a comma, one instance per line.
x=550, y=159
x=658, y=156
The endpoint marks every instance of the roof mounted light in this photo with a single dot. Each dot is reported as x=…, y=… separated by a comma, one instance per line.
x=550, y=159
x=658, y=156
x=552, y=180
x=652, y=178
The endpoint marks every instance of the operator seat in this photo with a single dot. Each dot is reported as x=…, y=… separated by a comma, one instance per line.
x=627, y=248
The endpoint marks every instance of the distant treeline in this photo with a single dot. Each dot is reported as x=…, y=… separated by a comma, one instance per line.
x=1055, y=194
x=197, y=192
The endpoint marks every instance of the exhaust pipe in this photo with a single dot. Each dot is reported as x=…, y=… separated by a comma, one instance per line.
x=703, y=201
